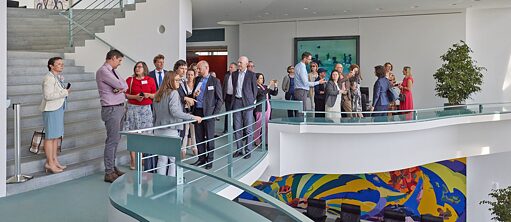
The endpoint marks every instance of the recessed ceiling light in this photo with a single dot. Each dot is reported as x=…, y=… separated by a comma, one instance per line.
x=379, y=9
x=305, y=8
x=347, y=11
x=286, y=14
x=415, y=6
x=266, y=13
x=314, y=13
x=259, y=16
x=454, y=4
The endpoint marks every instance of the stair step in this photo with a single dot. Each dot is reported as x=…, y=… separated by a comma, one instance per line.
x=35, y=62
x=35, y=162
x=74, y=171
x=20, y=90
x=69, y=142
x=36, y=98
x=74, y=128
x=31, y=55
x=42, y=70
x=33, y=109
x=23, y=80
x=69, y=116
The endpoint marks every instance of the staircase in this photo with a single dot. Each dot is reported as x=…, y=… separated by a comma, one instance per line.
x=33, y=37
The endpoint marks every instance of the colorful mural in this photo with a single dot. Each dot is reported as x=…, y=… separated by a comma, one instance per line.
x=438, y=189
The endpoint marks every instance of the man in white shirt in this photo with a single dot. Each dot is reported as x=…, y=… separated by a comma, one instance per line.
x=302, y=84
x=228, y=90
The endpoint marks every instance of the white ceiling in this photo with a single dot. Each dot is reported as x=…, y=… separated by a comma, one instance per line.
x=207, y=13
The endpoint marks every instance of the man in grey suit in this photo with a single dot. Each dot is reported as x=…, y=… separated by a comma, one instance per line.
x=245, y=91
x=208, y=95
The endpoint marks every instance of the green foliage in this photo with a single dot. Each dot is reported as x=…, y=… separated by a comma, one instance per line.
x=500, y=208
x=459, y=76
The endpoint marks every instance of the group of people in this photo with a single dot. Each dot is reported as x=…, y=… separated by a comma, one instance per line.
x=341, y=92
x=160, y=97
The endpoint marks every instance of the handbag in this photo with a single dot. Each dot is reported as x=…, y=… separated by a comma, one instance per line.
x=37, y=144
x=402, y=98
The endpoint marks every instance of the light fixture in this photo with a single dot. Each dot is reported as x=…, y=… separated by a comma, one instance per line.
x=266, y=13
x=379, y=9
x=415, y=6
x=285, y=14
x=305, y=8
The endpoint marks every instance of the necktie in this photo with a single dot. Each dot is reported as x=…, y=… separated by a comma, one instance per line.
x=115, y=74
x=160, y=78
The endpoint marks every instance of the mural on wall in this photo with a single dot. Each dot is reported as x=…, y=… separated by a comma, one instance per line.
x=438, y=189
x=51, y=4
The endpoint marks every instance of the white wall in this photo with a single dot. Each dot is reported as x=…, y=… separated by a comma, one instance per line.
x=138, y=37
x=483, y=174
x=417, y=41
x=3, y=95
x=231, y=42
x=488, y=35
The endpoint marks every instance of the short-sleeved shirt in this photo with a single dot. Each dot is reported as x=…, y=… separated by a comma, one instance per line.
x=145, y=85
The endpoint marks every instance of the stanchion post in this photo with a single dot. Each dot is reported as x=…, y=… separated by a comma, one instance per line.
x=230, y=141
x=18, y=177
x=263, y=126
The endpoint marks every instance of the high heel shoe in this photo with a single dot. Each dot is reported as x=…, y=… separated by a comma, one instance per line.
x=62, y=167
x=52, y=170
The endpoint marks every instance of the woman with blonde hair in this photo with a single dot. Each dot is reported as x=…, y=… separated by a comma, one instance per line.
x=53, y=106
x=168, y=110
x=406, y=89
x=140, y=94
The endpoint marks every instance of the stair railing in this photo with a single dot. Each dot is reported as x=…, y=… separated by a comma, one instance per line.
x=80, y=18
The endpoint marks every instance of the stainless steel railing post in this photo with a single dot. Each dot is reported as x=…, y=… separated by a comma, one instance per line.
x=230, y=141
x=71, y=27
x=18, y=177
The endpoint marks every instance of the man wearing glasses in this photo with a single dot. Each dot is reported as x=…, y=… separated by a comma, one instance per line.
x=302, y=83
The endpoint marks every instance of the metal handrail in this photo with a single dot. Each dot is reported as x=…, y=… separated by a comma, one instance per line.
x=74, y=22
x=192, y=121
x=288, y=210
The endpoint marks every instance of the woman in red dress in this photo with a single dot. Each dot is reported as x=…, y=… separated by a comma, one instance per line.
x=406, y=89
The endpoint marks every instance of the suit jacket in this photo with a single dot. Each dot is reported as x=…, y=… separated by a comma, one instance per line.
x=249, y=88
x=169, y=111
x=347, y=83
x=380, y=92
x=152, y=74
x=54, y=94
x=331, y=93
x=226, y=81
x=317, y=89
x=261, y=95
x=213, y=100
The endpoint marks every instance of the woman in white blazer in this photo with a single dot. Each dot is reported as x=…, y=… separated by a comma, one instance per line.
x=53, y=106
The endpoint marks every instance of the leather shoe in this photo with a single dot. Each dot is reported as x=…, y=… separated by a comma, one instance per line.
x=237, y=154
x=209, y=166
x=247, y=156
x=198, y=163
x=118, y=172
x=110, y=177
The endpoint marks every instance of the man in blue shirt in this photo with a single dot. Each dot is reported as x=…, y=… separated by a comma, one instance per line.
x=302, y=84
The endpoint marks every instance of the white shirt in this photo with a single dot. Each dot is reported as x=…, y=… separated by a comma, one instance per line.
x=239, y=90
x=229, y=85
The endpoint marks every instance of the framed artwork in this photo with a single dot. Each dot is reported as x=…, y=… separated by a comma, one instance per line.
x=328, y=51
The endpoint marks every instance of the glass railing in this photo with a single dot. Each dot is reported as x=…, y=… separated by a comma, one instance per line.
x=179, y=176
x=395, y=116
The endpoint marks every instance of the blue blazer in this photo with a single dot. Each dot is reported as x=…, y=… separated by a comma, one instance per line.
x=380, y=92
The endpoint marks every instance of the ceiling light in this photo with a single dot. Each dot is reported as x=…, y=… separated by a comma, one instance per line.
x=286, y=14
x=454, y=4
x=228, y=23
x=314, y=13
x=415, y=6
x=266, y=13
x=379, y=9
x=347, y=11
x=305, y=8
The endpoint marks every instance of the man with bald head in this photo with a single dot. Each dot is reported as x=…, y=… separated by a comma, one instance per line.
x=208, y=95
x=244, y=92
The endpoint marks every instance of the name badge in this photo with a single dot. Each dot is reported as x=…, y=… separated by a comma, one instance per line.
x=144, y=82
x=211, y=87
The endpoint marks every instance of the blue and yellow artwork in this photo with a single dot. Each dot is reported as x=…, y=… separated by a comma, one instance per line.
x=438, y=189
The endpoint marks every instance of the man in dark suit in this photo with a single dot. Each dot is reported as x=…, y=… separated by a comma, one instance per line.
x=158, y=73
x=245, y=91
x=180, y=68
x=208, y=96
x=228, y=90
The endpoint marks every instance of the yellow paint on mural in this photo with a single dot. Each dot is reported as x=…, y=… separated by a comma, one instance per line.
x=451, y=179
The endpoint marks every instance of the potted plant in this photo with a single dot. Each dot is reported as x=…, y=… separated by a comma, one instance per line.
x=459, y=77
x=500, y=208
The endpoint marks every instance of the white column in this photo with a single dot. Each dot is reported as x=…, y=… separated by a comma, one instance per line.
x=3, y=95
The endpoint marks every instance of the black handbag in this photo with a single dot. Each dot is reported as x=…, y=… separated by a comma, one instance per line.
x=402, y=98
